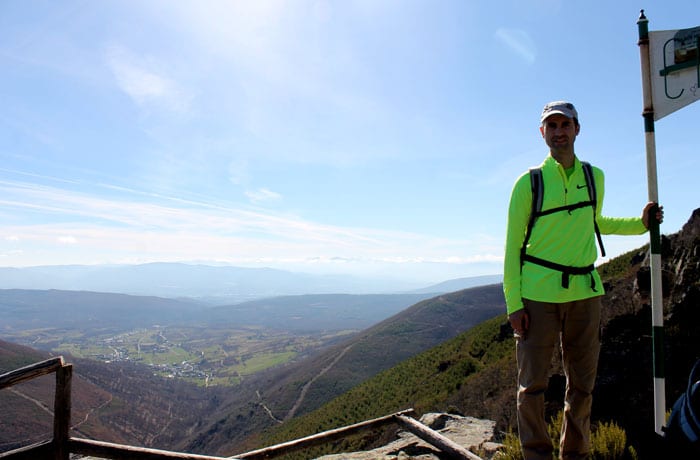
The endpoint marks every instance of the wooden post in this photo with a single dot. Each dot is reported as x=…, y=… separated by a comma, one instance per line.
x=62, y=410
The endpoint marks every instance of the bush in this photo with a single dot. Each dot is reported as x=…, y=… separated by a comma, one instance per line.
x=511, y=448
x=608, y=442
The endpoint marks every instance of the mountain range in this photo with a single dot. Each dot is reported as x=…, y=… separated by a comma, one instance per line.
x=215, y=285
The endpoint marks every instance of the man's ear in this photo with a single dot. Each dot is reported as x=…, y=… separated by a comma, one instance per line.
x=542, y=131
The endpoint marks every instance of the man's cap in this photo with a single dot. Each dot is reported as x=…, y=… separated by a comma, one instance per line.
x=561, y=107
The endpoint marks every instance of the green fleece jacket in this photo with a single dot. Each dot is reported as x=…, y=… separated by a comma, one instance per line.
x=566, y=238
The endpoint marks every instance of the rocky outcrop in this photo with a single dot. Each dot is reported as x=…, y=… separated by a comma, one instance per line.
x=477, y=435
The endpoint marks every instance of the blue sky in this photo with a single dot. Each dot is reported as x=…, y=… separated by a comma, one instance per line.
x=362, y=137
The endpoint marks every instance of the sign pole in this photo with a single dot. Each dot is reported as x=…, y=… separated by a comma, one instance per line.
x=657, y=315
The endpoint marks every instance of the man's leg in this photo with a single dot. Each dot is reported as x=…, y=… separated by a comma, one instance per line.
x=580, y=350
x=534, y=353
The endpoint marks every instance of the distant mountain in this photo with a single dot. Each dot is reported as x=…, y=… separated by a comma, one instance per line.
x=313, y=312
x=214, y=284
x=22, y=309
x=461, y=283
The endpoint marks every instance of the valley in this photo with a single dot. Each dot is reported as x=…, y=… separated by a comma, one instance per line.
x=203, y=355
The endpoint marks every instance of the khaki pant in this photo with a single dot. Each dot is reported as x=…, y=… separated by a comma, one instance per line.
x=576, y=326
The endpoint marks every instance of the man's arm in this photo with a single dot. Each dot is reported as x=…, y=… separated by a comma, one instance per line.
x=518, y=217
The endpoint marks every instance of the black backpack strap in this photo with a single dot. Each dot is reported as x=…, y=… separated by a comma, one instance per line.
x=566, y=270
x=593, y=196
x=537, y=188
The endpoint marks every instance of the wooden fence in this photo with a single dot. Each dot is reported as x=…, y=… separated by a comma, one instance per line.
x=62, y=444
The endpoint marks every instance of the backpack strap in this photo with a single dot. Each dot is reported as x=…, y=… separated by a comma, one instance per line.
x=593, y=196
x=566, y=270
x=537, y=188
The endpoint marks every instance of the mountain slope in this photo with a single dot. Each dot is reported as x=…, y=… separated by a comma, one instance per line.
x=347, y=364
x=424, y=382
x=118, y=402
x=314, y=312
x=27, y=408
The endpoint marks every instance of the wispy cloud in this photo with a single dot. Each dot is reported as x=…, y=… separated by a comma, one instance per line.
x=519, y=41
x=142, y=80
x=262, y=195
x=67, y=239
x=124, y=229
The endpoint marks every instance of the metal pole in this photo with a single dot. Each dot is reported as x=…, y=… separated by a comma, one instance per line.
x=657, y=314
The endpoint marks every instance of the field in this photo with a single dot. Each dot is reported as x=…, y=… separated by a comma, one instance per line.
x=203, y=355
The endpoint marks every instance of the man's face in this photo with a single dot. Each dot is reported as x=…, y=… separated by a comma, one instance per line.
x=559, y=132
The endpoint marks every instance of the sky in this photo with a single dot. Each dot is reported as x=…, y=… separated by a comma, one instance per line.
x=364, y=137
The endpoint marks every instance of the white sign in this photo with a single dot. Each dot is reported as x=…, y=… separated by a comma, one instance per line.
x=675, y=69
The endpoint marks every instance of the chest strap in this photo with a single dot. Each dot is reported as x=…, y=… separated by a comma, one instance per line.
x=566, y=270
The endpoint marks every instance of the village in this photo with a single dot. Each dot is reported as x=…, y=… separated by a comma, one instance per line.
x=122, y=348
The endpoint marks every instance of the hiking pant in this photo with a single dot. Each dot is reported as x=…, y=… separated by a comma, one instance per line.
x=576, y=326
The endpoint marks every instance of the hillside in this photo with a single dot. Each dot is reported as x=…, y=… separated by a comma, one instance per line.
x=280, y=394
x=474, y=373
x=27, y=408
x=123, y=403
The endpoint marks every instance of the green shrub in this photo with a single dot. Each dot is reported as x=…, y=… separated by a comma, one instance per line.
x=554, y=430
x=608, y=442
x=511, y=448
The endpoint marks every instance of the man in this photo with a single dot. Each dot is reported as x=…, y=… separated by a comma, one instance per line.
x=552, y=290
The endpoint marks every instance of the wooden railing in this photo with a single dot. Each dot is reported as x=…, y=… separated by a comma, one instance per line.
x=62, y=444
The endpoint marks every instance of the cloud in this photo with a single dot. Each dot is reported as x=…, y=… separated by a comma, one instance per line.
x=262, y=195
x=142, y=82
x=519, y=41
x=130, y=226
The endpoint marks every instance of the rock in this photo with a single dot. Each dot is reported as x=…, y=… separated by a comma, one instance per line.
x=477, y=435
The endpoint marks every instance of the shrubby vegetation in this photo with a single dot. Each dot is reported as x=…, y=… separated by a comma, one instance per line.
x=608, y=442
x=424, y=383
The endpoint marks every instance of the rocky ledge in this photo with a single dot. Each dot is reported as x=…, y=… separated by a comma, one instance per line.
x=477, y=435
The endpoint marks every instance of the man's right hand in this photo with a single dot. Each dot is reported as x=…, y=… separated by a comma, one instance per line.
x=520, y=322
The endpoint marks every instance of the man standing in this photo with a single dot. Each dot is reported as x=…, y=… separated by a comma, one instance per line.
x=552, y=289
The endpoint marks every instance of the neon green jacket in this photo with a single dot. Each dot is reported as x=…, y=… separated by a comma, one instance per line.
x=566, y=238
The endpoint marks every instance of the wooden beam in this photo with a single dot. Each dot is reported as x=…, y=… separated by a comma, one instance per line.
x=41, y=450
x=446, y=445
x=103, y=449
x=29, y=372
x=319, y=438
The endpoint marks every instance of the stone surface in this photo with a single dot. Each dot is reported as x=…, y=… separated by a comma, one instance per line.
x=477, y=435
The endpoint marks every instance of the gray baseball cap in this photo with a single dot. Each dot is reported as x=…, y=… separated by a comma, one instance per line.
x=561, y=107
